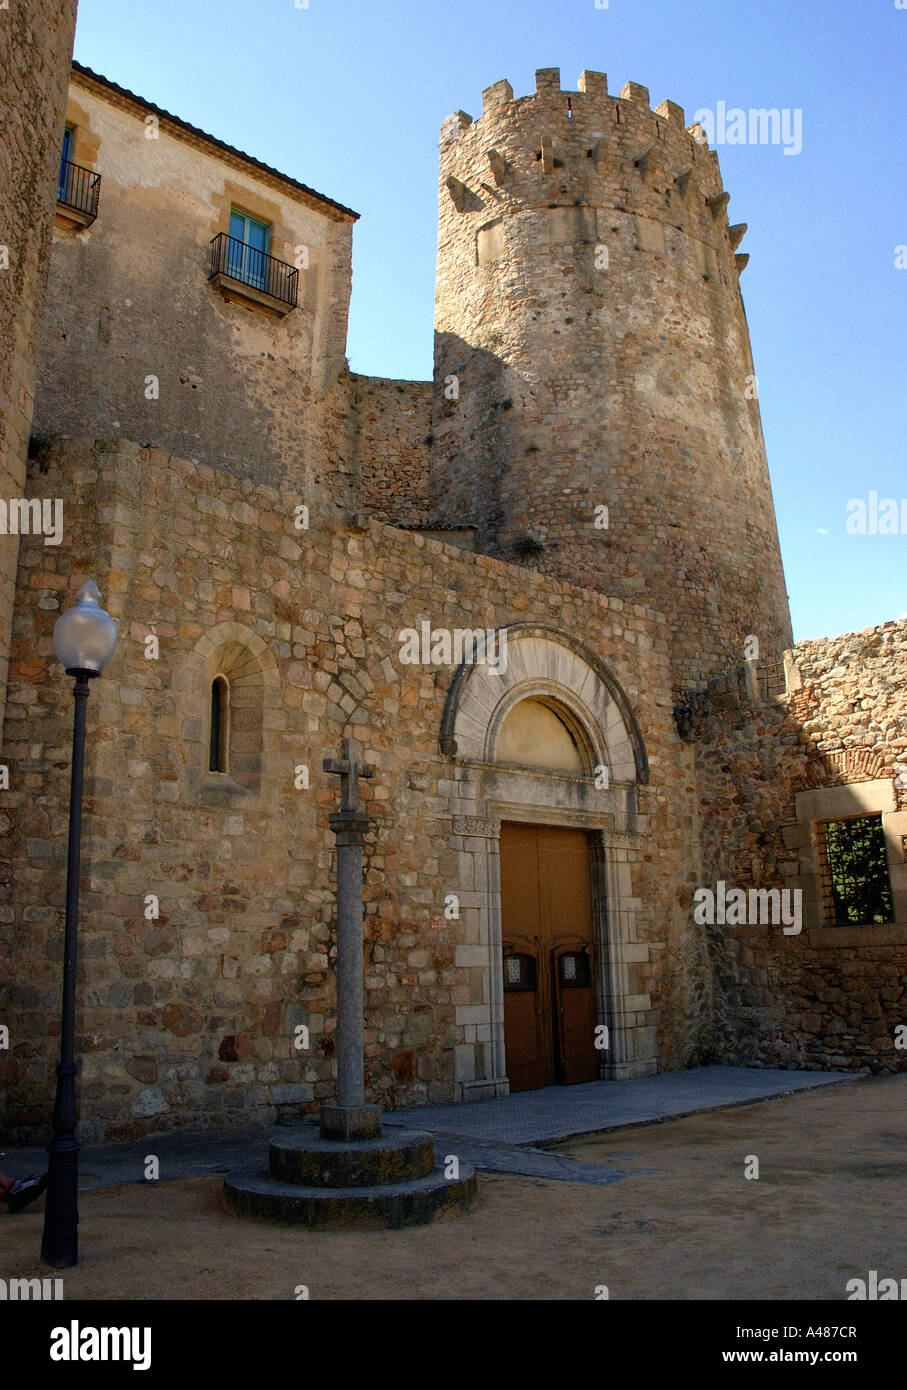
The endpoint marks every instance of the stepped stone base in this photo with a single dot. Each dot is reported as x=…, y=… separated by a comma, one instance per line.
x=328, y=1184
x=318, y=1162
x=411, y=1203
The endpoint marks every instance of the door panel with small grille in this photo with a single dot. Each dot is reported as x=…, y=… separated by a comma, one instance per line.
x=575, y=1015
x=549, y=994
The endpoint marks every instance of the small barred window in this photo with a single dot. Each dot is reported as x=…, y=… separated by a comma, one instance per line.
x=856, y=886
x=519, y=972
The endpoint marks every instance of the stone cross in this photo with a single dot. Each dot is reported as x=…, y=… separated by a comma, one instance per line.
x=350, y=769
x=349, y=1118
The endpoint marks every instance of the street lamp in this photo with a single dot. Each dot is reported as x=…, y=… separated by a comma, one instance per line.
x=85, y=637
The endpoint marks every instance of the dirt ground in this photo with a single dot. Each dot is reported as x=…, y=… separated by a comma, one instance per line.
x=828, y=1206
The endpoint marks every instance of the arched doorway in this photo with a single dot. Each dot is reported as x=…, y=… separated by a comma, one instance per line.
x=547, y=932
x=547, y=760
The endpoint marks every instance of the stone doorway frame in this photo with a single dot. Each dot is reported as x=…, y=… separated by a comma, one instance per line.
x=548, y=664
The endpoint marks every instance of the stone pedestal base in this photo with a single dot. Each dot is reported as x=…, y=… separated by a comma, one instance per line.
x=328, y=1183
x=309, y=1162
x=350, y=1122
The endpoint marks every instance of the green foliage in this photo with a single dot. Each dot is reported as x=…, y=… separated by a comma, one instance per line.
x=858, y=866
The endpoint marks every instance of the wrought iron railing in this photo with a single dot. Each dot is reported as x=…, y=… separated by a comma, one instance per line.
x=78, y=188
x=238, y=260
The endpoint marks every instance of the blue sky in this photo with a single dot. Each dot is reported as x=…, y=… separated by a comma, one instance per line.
x=348, y=96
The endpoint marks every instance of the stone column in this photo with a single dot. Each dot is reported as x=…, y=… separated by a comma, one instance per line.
x=349, y=1118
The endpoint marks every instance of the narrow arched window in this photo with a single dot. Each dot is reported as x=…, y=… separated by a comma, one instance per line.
x=220, y=714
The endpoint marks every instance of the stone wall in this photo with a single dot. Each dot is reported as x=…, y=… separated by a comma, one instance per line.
x=35, y=49
x=592, y=351
x=393, y=439
x=254, y=394
x=834, y=744
x=190, y=1017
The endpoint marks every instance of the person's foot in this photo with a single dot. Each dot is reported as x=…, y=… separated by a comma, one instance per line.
x=24, y=1191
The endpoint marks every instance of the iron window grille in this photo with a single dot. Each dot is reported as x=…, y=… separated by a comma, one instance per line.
x=853, y=871
x=519, y=973
x=573, y=970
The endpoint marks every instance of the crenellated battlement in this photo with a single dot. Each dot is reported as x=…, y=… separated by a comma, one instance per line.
x=591, y=94
x=587, y=148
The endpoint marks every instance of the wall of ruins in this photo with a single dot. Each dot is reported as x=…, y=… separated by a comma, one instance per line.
x=834, y=745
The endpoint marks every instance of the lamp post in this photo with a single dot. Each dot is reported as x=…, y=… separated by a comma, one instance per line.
x=85, y=637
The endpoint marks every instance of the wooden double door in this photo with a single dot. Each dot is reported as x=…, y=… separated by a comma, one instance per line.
x=549, y=959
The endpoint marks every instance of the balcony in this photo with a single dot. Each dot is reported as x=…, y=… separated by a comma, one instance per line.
x=248, y=276
x=78, y=191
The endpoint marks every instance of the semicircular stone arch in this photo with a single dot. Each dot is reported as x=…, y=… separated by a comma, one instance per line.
x=245, y=661
x=549, y=666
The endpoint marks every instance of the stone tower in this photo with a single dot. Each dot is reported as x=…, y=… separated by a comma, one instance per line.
x=592, y=352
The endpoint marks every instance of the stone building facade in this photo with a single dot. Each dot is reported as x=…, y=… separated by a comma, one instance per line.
x=282, y=530
x=35, y=49
x=193, y=1012
x=140, y=341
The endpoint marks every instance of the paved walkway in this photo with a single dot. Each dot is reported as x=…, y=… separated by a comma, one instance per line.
x=495, y=1135
x=563, y=1112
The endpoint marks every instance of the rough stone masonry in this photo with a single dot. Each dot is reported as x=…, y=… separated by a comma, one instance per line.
x=585, y=471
